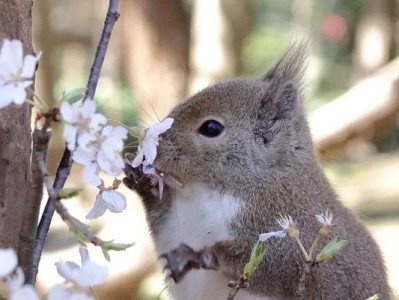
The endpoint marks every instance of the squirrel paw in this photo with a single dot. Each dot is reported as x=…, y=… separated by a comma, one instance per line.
x=135, y=178
x=183, y=259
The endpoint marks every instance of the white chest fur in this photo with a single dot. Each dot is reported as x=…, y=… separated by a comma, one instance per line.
x=199, y=217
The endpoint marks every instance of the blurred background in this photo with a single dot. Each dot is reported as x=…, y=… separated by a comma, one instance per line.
x=162, y=51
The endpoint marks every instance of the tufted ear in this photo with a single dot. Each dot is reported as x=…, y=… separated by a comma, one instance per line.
x=291, y=66
x=284, y=82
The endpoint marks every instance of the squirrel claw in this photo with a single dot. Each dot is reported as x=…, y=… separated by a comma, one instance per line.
x=181, y=260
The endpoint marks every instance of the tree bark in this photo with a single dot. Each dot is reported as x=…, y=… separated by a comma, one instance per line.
x=15, y=134
x=155, y=51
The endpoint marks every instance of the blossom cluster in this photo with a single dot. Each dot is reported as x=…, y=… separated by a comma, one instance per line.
x=81, y=277
x=98, y=148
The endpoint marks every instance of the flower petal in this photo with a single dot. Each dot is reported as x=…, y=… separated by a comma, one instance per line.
x=138, y=160
x=98, y=209
x=27, y=292
x=8, y=261
x=67, y=270
x=156, y=129
x=265, y=236
x=115, y=201
x=29, y=66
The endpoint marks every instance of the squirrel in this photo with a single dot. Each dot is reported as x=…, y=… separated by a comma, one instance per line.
x=243, y=153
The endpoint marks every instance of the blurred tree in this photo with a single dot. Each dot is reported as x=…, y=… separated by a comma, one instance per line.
x=375, y=37
x=217, y=33
x=155, y=47
x=17, y=219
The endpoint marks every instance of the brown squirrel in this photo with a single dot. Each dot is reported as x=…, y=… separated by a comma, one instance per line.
x=243, y=152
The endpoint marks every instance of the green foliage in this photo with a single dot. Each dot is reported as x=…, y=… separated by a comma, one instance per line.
x=257, y=255
x=332, y=249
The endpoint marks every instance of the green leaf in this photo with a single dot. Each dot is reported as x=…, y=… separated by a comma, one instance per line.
x=105, y=253
x=333, y=248
x=67, y=193
x=375, y=297
x=108, y=246
x=257, y=255
x=73, y=95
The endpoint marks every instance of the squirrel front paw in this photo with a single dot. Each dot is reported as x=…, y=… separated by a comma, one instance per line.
x=183, y=259
x=136, y=180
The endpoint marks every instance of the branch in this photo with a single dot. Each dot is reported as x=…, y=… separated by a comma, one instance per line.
x=373, y=102
x=300, y=292
x=111, y=18
x=65, y=165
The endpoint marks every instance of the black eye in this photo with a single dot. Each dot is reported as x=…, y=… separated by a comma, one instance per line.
x=211, y=128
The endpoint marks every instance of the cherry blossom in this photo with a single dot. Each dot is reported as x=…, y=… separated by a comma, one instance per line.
x=103, y=154
x=86, y=275
x=83, y=123
x=325, y=218
x=59, y=292
x=16, y=72
x=8, y=261
x=107, y=199
x=17, y=289
x=147, y=150
x=287, y=224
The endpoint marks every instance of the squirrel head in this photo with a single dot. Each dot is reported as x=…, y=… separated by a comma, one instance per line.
x=240, y=129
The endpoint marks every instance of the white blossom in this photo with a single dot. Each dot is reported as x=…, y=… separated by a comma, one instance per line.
x=83, y=123
x=110, y=146
x=325, y=218
x=147, y=150
x=59, y=292
x=111, y=200
x=287, y=224
x=103, y=154
x=18, y=290
x=26, y=292
x=8, y=261
x=86, y=275
x=16, y=72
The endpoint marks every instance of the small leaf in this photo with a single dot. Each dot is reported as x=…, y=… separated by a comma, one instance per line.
x=105, y=253
x=333, y=248
x=108, y=246
x=375, y=297
x=257, y=255
x=73, y=95
x=116, y=246
x=67, y=193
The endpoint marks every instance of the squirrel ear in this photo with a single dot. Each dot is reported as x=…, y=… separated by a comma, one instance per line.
x=291, y=66
x=284, y=82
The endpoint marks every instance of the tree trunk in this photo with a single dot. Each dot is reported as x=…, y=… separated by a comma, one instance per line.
x=155, y=51
x=15, y=134
x=375, y=37
x=217, y=32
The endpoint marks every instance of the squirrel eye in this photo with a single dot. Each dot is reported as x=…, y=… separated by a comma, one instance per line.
x=211, y=128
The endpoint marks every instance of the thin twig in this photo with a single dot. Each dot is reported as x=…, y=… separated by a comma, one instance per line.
x=111, y=18
x=236, y=286
x=300, y=292
x=65, y=165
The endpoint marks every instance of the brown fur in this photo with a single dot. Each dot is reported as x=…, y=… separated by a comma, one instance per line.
x=266, y=158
